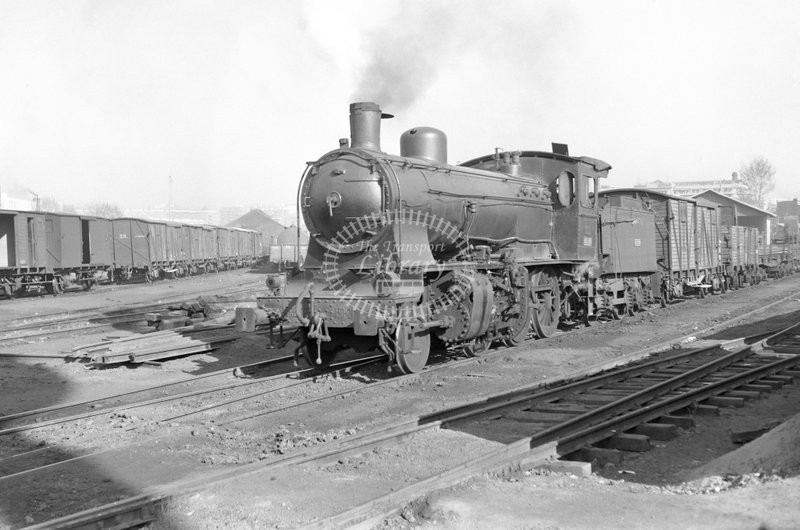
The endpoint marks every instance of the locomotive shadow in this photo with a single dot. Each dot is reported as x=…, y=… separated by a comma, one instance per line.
x=38, y=496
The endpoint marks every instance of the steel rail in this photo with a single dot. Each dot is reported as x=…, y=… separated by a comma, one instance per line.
x=183, y=395
x=335, y=368
x=595, y=433
x=38, y=413
x=357, y=445
x=558, y=440
x=512, y=453
x=26, y=322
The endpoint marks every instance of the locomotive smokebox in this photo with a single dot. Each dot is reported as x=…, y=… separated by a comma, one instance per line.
x=365, y=125
x=426, y=143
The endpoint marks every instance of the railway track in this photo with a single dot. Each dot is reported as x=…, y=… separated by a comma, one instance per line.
x=611, y=409
x=38, y=326
x=161, y=394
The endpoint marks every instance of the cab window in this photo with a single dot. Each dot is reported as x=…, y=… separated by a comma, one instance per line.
x=565, y=188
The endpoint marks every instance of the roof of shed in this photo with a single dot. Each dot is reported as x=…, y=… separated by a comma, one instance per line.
x=742, y=208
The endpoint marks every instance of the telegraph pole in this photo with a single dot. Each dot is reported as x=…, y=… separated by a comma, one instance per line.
x=169, y=205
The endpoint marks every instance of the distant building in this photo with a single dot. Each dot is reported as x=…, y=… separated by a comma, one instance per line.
x=286, y=247
x=735, y=212
x=15, y=197
x=289, y=236
x=285, y=214
x=228, y=214
x=261, y=222
x=175, y=215
x=8, y=202
x=787, y=209
x=732, y=188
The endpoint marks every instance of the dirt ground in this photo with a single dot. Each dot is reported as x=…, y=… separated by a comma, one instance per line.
x=667, y=487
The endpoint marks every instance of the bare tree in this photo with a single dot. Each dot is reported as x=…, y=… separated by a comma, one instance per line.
x=48, y=204
x=759, y=179
x=104, y=209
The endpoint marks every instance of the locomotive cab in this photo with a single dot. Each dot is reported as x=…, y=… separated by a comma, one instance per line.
x=571, y=184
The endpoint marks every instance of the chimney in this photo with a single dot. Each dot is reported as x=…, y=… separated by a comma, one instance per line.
x=365, y=125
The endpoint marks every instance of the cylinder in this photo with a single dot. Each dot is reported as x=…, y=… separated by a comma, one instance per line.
x=426, y=143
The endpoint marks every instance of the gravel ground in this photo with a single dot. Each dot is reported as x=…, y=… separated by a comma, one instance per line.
x=200, y=443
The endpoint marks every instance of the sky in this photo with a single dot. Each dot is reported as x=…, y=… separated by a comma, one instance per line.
x=105, y=100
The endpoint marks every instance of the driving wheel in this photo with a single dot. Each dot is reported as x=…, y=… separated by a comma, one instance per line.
x=546, y=298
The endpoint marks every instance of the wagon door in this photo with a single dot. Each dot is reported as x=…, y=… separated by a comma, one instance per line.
x=680, y=236
x=31, y=241
x=8, y=257
x=100, y=237
x=140, y=244
x=52, y=231
x=158, y=242
x=123, y=251
x=193, y=234
x=71, y=242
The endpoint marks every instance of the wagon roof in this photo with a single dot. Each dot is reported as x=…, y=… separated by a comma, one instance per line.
x=647, y=191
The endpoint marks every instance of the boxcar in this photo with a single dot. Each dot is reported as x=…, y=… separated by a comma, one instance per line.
x=98, y=240
x=208, y=249
x=709, y=267
x=740, y=254
x=675, y=239
x=629, y=275
x=78, y=249
x=23, y=252
x=226, y=247
x=157, y=232
x=178, y=250
x=780, y=256
x=132, y=249
x=245, y=246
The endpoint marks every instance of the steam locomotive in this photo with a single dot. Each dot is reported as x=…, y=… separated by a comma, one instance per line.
x=497, y=249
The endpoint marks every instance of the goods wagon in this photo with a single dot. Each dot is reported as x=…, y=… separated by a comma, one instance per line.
x=23, y=252
x=207, y=249
x=709, y=267
x=159, y=241
x=99, y=241
x=740, y=254
x=246, y=247
x=775, y=253
x=132, y=249
x=56, y=250
x=78, y=249
x=627, y=250
x=677, y=245
x=228, y=247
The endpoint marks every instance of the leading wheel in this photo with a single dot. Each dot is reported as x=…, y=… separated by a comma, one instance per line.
x=413, y=347
x=546, y=298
